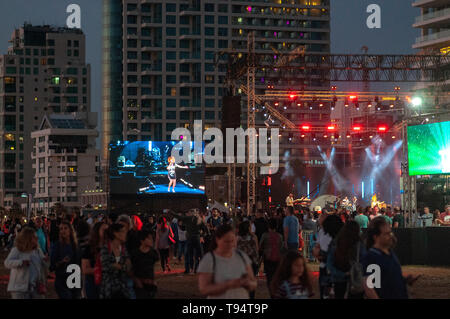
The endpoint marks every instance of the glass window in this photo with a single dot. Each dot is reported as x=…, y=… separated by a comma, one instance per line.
x=171, y=31
x=131, y=6
x=209, y=19
x=171, y=79
x=171, y=67
x=223, y=20
x=209, y=31
x=171, y=19
x=171, y=7
x=209, y=115
x=171, y=55
x=223, y=43
x=209, y=7
x=209, y=91
x=131, y=19
x=171, y=115
x=132, y=43
x=184, y=20
x=223, y=32
x=171, y=103
x=132, y=55
x=171, y=43
x=223, y=8
x=209, y=103
x=209, y=43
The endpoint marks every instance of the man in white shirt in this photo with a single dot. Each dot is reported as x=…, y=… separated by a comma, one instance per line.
x=290, y=200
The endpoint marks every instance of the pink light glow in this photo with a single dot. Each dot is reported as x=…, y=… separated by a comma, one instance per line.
x=249, y=9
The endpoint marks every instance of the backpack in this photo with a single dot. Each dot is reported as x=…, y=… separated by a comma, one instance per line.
x=275, y=253
x=248, y=246
x=356, y=275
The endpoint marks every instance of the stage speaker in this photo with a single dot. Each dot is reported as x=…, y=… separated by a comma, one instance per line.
x=231, y=111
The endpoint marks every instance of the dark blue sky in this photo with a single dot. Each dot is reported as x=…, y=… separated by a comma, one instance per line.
x=348, y=22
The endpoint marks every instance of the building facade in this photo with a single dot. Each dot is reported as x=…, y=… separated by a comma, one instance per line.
x=65, y=160
x=44, y=72
x=434, y=25
x=159, y=60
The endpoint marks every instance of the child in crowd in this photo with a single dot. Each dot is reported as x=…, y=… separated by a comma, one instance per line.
x=291, y=280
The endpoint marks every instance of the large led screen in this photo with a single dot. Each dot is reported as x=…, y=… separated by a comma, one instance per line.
x=147, y=167
x=429, y=149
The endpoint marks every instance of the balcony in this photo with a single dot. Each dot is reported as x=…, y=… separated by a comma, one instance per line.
x=190, y=11
x=433, y=18
x=432, y=39
x=429, y=3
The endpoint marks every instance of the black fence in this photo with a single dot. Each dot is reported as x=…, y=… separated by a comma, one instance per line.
x=423, y=246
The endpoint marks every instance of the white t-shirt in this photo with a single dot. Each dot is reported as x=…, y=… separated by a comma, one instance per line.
x=226, y=269
x=181, y=235
x=324, y=241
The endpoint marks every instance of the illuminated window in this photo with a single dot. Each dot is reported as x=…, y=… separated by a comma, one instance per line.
x=35, y=99
x=10, y=137
x=55, y=80
x=173, y=92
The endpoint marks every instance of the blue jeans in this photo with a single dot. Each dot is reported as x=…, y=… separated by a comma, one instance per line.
x=181, y=249
x=195, y=253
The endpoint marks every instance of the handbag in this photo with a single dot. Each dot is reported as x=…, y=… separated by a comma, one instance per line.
x=98, y=271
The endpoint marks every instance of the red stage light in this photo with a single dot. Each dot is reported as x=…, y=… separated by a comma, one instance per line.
x=352, y=97
x=277, y=103
x=292, y=96
x=306, y=127
x=357, y=128
x=331, y=127
x=382, y=128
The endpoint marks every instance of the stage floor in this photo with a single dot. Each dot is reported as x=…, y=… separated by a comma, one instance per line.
x=179, y=189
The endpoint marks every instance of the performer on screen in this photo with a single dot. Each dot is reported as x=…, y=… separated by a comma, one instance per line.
x=171, y=173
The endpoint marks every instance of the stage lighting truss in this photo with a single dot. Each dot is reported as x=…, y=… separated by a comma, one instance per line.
x=364, y=101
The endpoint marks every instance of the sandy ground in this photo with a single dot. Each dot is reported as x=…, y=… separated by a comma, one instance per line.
x=434, y=283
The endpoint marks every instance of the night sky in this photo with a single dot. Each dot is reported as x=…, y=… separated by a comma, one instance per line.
x=348, y=23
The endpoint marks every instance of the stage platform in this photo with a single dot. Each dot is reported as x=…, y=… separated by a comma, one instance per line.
x=155, y=203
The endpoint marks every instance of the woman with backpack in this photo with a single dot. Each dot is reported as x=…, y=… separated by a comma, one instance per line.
x=91, y=259
x=343, y=262
x=248, y=243
x=28, y=266
x=225, y=272
x=271, y=247
x=330, y=225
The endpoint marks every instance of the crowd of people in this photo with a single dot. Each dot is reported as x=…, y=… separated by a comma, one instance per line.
x=228, y=252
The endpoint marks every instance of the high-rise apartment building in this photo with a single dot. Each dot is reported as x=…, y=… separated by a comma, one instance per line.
x=65, y=161
x=434, y=24
x=44, y=72
x=159, y=68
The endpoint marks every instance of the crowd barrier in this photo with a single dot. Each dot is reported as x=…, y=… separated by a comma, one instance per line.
x=415, y=246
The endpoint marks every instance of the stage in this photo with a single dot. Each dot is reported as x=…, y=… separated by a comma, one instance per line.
x=156, y=202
